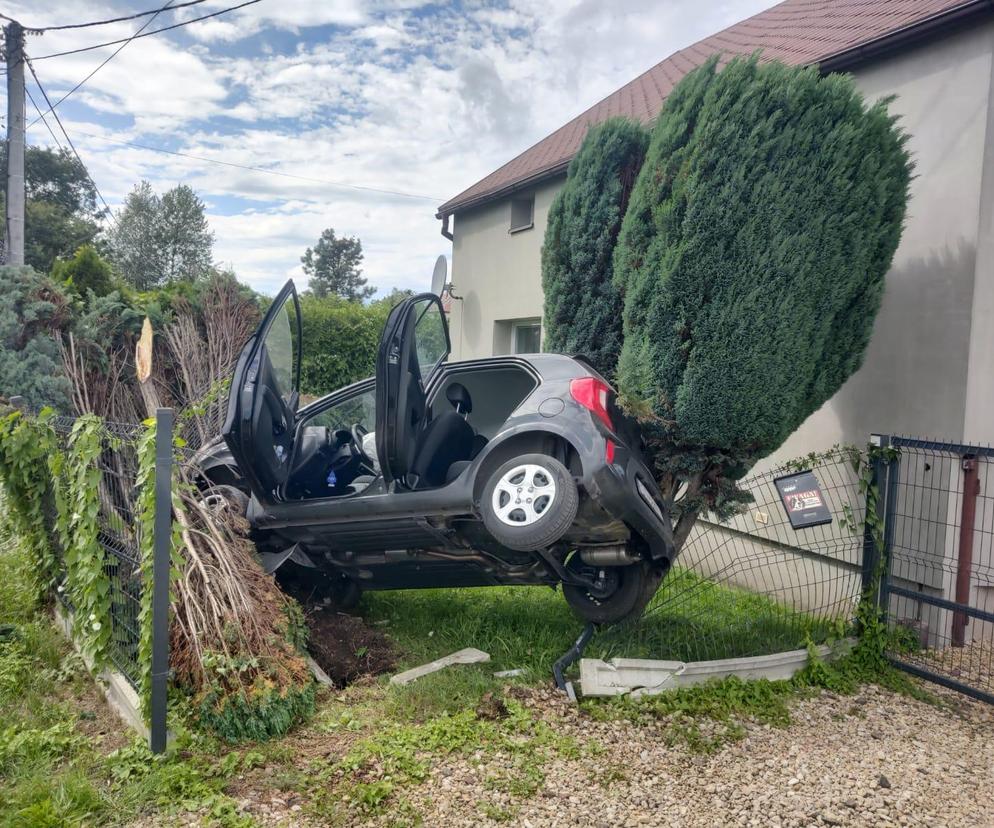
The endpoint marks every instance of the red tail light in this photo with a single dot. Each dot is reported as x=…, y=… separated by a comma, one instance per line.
x=592, y=394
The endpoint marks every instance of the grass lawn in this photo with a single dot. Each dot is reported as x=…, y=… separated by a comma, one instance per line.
x=690, y=619
x=66, y=761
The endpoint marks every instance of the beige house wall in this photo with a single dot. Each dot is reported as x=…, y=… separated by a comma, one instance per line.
x=496, y=273
x=928, y=367
x=914, y=380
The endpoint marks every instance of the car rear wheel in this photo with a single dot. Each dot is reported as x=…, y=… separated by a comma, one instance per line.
x=618, y=594
x=529, y=502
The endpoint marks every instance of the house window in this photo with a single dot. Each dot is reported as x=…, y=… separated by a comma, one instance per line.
x=526, y=337
x=522, y=213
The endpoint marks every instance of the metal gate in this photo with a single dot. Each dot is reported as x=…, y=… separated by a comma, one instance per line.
x=938, y=588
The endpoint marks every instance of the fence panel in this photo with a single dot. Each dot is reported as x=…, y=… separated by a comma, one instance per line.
x=119, y=537
x=753, y=585
x=940, y=579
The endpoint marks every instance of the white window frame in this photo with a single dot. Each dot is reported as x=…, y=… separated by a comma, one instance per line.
x=525, y=323
x=522, y=225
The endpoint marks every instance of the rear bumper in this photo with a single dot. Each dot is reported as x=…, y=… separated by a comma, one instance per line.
x=624, y=488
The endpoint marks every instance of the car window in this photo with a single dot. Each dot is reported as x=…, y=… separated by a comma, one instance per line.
x=429, y=336
x=281, y=351
x=359, y=409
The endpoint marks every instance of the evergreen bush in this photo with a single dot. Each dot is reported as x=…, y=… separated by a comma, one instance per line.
x=84, y=273
x=582, y=305
x=32, y=314
x=752, y=259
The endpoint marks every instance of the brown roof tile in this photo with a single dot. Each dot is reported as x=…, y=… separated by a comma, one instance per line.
x=795, y=31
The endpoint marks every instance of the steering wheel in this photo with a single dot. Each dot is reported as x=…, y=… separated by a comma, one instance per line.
x=358, y=432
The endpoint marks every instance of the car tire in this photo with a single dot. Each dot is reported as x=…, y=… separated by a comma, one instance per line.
x=529, y=502
x=633, y=588
x=221, y=496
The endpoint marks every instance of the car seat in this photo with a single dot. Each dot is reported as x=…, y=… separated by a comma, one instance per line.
x=447, y=439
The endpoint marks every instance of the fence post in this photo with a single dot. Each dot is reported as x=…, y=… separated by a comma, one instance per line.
x=890, y=507
x=871, y=554
x=160, y=577
x=964, y=563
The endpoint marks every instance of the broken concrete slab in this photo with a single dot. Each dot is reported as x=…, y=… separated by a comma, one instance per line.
x=620, y=676
x=638, y=677
x=320, y=676
x=469, y=655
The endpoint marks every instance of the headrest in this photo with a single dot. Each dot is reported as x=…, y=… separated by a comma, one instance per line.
x=459, y=397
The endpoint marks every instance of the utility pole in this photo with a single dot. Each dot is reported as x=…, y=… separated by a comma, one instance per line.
x=14, y=43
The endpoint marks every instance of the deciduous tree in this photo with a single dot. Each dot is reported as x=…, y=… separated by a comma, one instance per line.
x=185, y=238
x=160, y=240
x=60, y=211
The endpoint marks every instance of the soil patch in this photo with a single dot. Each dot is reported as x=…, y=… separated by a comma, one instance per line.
x=346, y=648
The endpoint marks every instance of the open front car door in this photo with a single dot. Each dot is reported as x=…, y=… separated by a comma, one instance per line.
x=262, y=402
x=414, y=344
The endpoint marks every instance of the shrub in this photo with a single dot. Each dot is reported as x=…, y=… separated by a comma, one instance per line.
x=33, y=311
x=582, y=305
x=752, y=259
x=85, y=271
x=340, y=342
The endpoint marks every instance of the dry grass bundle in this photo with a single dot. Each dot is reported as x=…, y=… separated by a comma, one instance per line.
x=236, y=638
x=103, y=383
x=202, y=348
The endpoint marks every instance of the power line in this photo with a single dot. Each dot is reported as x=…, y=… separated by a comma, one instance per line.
x=72, y=146
x=149, y=34
x=106, y=61
x=40, y=29
x=279, y=173
x=44, y=120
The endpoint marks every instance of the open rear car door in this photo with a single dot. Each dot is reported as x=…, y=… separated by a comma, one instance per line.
x=262, y=402
x=414, y=344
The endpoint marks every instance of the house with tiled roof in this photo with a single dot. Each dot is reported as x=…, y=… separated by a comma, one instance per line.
x=929, y=366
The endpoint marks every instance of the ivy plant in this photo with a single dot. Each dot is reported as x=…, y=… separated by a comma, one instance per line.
x=87, y=580
x=27, y=447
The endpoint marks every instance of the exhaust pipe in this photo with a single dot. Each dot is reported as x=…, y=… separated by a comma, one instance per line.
x=608, y=556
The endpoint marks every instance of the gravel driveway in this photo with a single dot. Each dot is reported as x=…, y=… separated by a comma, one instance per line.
x=873, y=759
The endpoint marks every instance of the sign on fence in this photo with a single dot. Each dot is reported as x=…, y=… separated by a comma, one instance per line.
x=802, y=499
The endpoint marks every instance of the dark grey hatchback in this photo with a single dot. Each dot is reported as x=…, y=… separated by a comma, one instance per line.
x=509, y=470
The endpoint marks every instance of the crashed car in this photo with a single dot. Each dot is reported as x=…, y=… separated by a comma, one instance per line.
x=516, y=469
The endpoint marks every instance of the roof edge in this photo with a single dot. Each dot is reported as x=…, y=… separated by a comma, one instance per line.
x=536, y=177
x=937, y=24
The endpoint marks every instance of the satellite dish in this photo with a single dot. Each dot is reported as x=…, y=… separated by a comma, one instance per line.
x=439, y=275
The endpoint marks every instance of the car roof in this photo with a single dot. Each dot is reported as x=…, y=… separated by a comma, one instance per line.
x=548, y=366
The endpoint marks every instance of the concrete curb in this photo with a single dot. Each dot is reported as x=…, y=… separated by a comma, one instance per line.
x=637, y=677
x=320, y=676
x=120, y=695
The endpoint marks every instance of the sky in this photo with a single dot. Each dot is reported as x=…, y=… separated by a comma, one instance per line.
x=419, y=99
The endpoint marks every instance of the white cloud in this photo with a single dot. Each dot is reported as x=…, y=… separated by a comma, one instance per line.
x=382, y=94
